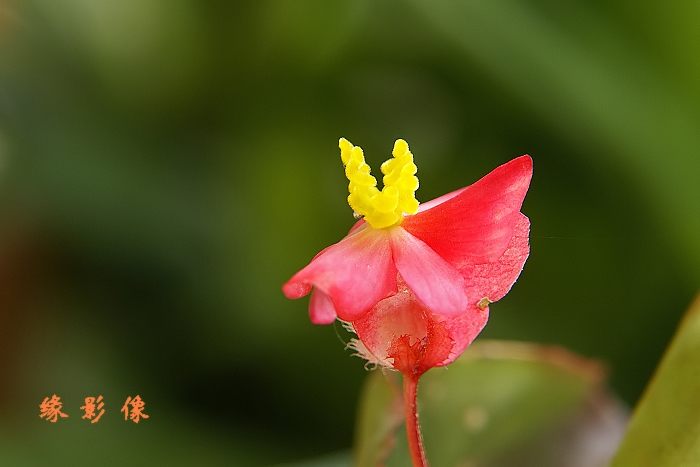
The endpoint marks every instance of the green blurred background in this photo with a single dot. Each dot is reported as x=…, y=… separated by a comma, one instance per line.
x=165, y=165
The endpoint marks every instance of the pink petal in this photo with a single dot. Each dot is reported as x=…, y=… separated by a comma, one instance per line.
x=475, y=224
x=321, y=309
x=355, y=273
x=493, y=280
x=357, y=225
x=436, y=284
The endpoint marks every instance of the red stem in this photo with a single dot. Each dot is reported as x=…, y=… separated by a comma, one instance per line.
x=415, y=440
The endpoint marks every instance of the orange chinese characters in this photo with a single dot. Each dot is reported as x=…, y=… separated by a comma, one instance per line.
x=93, y=408
x=133, y=409
x=50, y=409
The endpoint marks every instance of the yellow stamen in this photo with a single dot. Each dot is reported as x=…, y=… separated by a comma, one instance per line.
x=387, y=207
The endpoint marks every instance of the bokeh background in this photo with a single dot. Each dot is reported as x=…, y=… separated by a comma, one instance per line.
x=165, y=165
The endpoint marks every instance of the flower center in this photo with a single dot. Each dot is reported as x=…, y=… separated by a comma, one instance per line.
x=385, y=208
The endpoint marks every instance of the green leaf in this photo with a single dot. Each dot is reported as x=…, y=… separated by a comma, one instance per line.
x=665, y=427
x=500, y=404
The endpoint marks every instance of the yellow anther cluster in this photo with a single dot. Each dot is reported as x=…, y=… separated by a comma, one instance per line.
x=387, y=207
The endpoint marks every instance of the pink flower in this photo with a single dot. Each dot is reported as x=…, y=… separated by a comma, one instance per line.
x=415, y=287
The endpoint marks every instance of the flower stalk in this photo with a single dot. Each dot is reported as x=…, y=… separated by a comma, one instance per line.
x=415, y=439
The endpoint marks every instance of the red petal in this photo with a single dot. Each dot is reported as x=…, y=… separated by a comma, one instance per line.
x=475, y=225
x=393, y=317
x=398, y=332
x=355, y=273
x=436, y=284
x=321, y=309
x=463, y=329
x=439, y=200
x=414, y=357
x=491, y=281
x=437, y=347
x=494, y=280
